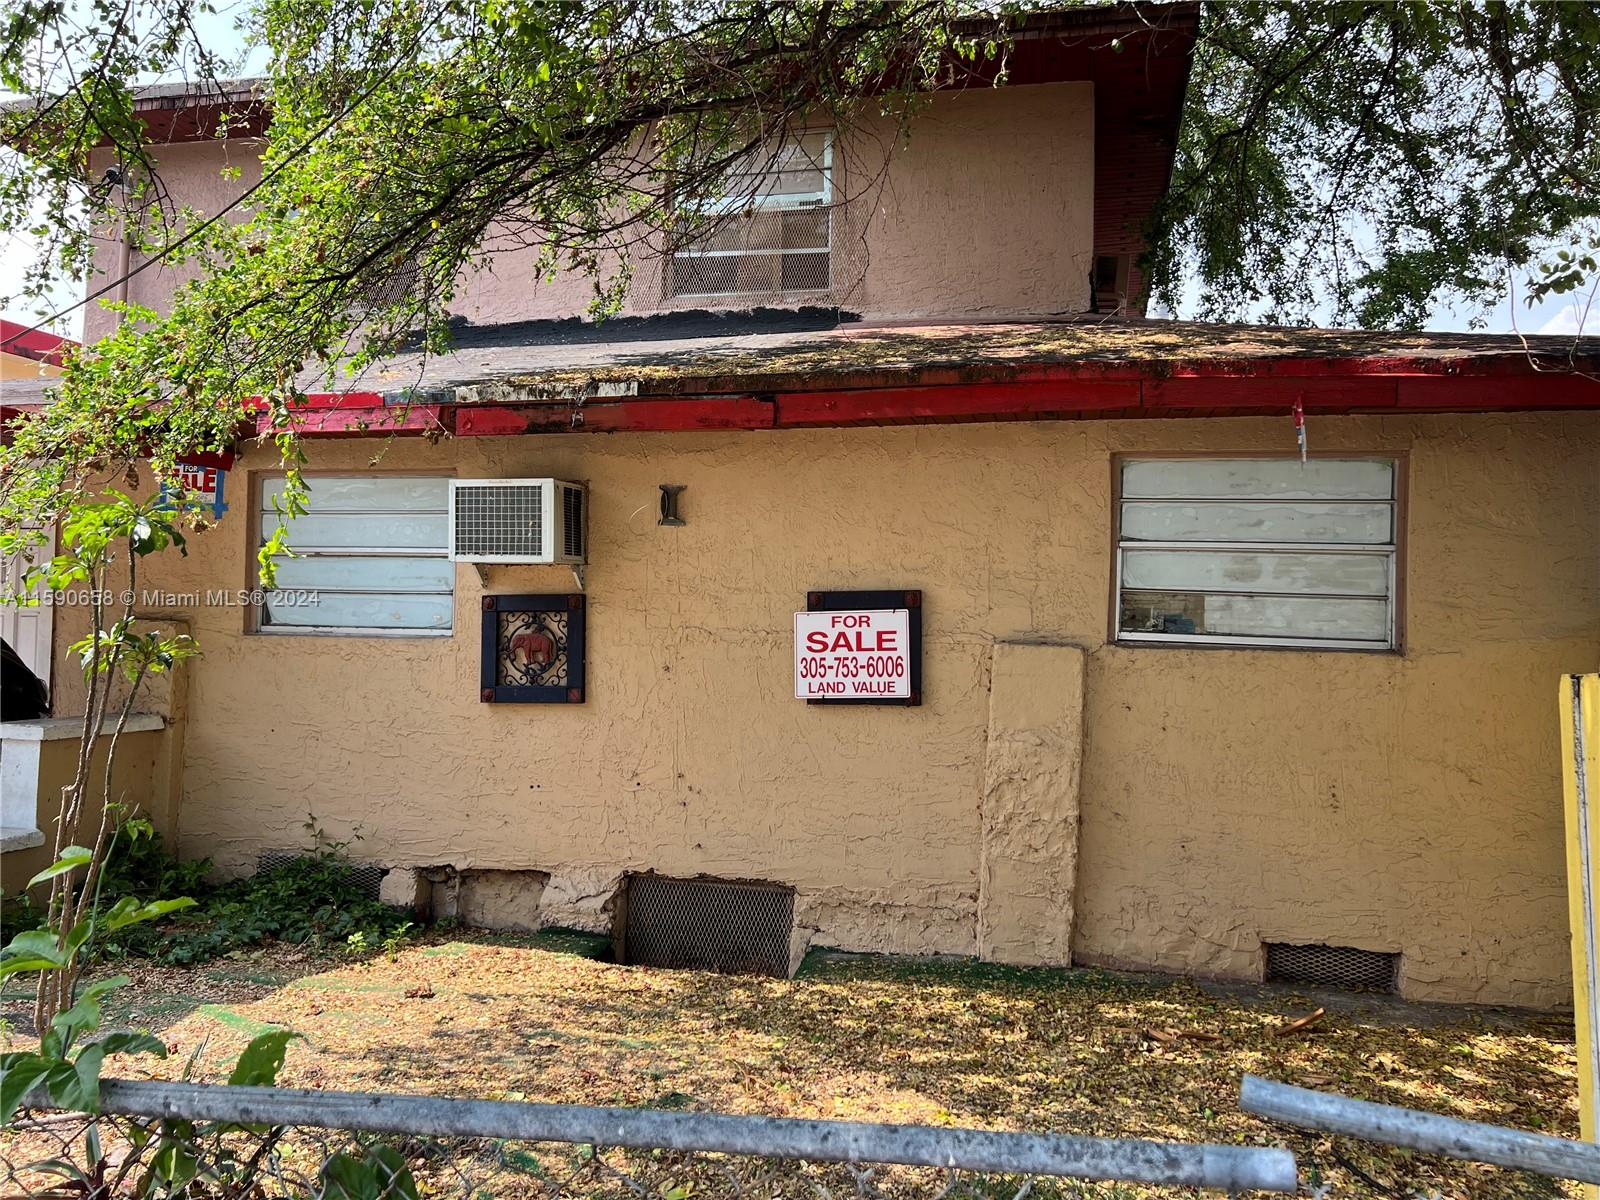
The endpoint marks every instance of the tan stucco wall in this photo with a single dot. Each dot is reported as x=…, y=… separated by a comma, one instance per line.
x=986, y=208
x=1028, y=813
x=20, y=366
x=196, y=175
x=135, y=785
x=1398, y=802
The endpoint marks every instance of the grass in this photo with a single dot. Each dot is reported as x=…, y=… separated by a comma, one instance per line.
x=867, y=1038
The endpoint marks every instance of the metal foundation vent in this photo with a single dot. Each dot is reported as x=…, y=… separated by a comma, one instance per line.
x=709, y=924
x=365, y=878
x=1333, y=966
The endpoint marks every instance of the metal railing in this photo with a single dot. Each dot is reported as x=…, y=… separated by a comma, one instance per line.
x=652, y=1152
x=1471, y=1141
x=268, y=1143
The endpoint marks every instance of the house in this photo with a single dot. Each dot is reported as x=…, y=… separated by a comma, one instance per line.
x=1154, y=691
x=27, y=356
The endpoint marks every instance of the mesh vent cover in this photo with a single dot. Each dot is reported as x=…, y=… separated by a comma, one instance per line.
x=366, y=877
x=499, y=519
x=572, y=522
x=738, y=928
x=1333, y=966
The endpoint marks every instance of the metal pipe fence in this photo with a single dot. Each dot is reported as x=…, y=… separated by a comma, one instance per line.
x=1472, y=1141
x=631, y=1151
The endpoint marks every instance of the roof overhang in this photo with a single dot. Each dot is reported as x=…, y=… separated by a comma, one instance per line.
x=630, y=375
x=37, y=344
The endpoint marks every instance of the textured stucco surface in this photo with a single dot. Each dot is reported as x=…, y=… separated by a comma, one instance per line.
x=1027, y=855
x=195, y=175
x=135, y=784
x=986, y=208
x=1405, y=802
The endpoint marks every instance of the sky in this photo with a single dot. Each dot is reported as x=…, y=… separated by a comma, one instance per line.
x=1556, y=315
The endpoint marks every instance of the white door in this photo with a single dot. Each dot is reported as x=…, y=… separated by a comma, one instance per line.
x=27, y=627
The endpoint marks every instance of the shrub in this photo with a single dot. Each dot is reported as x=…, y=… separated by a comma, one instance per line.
x=310, y=900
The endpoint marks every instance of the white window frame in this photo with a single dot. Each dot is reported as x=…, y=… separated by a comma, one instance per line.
x=1391, y=551
x=258, y=509
x=790, y=202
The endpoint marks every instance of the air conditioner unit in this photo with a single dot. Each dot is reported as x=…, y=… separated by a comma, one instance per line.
x=518, y=521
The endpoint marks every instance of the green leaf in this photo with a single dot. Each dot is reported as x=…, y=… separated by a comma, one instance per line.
x=18, y=1073
x=84, y=1016
x=345, y=1177
x=174, y=1165
x=128, y=911
x=32, y=950
x=15, y=966
x=71, y=859
x=393, y=1175
x=70, y=1089
x=88, y=1063
x=127, y=1042
x=262, y=1059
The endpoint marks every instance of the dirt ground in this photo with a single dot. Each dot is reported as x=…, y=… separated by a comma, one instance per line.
x=868, y=1038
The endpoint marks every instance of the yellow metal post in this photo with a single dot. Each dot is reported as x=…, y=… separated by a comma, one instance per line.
x=1580, y=772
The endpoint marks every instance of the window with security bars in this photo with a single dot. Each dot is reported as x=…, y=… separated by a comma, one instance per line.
x=370, y=557
x=770, y=231
x=1258, y=552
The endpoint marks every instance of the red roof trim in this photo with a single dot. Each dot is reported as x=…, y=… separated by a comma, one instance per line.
x=20, y=340
x=1178, y=396
x=1059, y=392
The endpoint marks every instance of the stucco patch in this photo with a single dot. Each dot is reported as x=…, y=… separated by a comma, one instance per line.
x=1027, y=864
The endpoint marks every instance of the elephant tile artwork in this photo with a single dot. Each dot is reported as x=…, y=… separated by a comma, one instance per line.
x=533, y=649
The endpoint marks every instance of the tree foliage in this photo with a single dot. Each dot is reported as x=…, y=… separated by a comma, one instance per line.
x=1370, y=161
x=410, y=141
x=1359, y=160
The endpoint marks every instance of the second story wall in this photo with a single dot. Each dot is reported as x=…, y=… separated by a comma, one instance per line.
x=192, y=174
x=983, y=207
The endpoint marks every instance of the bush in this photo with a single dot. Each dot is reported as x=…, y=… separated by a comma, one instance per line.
x=310, y=900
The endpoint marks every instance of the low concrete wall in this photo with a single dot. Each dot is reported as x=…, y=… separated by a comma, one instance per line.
x=38, y=759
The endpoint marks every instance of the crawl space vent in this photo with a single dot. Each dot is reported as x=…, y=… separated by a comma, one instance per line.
x=1333, y=966
x=367, y=877
x=709, y=924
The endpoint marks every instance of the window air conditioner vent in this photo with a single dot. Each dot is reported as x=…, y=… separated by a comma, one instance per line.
x=517, y=521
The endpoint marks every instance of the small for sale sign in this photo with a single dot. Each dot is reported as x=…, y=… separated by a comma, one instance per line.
x=853, y=654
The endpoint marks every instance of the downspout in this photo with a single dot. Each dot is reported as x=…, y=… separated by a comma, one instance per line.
x=124, y=261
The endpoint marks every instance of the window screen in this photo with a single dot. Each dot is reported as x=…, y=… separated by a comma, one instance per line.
x=1257, y=551
x=370, y=556
x=771, y=230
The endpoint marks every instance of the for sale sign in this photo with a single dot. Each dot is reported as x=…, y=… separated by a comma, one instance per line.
x=198, y=484
x=854, y=654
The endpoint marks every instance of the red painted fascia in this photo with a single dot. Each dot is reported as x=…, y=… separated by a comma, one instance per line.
x=1062, y=391
x=366, y=421
x=20, y=340
x=670, y=415
x=320, y=400
x=974, y=401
